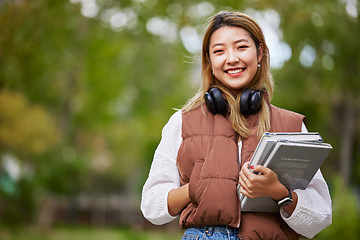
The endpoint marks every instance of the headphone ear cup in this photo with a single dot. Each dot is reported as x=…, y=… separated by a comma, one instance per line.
x=215, y=101
x=255, y=103
x=250, y=101
x=210, y=104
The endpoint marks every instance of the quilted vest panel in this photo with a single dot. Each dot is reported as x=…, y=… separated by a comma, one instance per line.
x=208, y=160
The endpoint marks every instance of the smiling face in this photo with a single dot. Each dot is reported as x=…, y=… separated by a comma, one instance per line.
x=234, y=57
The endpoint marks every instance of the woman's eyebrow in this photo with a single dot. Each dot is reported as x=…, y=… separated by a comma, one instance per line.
x=235, y=42
x=217, y=44
x=242, y=40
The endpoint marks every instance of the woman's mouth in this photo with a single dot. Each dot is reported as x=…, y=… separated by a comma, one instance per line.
x=235, y=71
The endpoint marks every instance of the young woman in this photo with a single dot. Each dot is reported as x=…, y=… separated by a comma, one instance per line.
x=205, y=149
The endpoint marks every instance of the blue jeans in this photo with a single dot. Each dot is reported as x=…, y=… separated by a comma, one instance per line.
x=214, y=233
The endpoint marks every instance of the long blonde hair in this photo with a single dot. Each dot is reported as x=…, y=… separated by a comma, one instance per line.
x=261, y=80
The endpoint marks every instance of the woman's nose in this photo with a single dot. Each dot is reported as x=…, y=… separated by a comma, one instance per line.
x=232, y=58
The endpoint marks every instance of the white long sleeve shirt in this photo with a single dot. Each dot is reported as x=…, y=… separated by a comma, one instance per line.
x=312, y=214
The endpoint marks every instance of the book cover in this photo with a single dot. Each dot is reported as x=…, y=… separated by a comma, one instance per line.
x=295, y=163
x=268, y=140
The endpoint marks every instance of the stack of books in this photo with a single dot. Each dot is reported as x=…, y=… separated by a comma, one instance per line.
x=294, y=157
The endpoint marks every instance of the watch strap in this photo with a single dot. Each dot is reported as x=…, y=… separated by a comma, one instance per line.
x=285, y=201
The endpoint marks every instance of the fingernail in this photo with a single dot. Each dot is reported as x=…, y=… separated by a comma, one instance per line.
x=252, y=167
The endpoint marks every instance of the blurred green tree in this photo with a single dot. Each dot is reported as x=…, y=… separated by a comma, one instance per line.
x=346, y=213
x=323, y=38
x=82, y=100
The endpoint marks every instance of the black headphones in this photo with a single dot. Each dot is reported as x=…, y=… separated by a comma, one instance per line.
x=250, y=101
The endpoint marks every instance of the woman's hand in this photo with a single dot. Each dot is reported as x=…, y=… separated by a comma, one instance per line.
x=178, y=198
x=266, y=184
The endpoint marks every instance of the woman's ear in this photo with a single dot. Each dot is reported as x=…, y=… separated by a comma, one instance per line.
x=260, y=52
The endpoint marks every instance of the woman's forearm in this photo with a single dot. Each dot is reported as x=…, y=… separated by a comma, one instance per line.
x=291, y=207
x=178, y=198
x=288, y=208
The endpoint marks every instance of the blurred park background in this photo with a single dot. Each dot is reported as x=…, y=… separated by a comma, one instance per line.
x=87, y=85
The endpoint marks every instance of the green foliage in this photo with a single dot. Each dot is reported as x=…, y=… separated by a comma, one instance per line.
x=63, y=171
x=327, y=89
x=346, y=213
x=61, y=233
x=80, y=102
x=25, y=128
x=18, y=207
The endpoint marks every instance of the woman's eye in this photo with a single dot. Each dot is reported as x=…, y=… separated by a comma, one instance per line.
x=242, y=47
x=218, y=51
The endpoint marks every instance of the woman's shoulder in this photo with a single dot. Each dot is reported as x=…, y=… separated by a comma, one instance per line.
x=171, y=135
x=200, y=110
x=286, y=120
x=173, y=126
x=180, y=116
x=176, y=120
x=286, y=112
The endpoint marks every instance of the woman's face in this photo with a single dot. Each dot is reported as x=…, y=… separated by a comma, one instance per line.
x=233, y=57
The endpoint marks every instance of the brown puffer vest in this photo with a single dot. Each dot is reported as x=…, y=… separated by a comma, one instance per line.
x=208, y=160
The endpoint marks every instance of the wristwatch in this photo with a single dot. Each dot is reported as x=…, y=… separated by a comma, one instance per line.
x=285, y=201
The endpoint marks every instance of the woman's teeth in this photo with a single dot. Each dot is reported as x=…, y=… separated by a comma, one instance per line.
x=235, y=71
